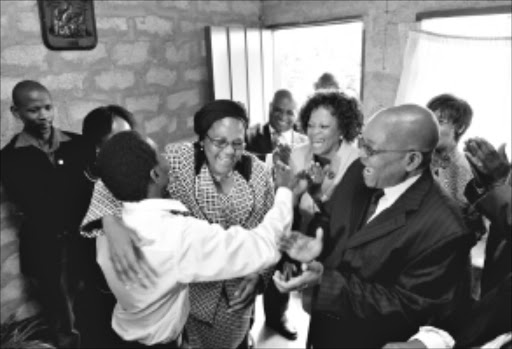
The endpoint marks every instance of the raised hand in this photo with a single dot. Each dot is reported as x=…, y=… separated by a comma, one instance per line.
x=490, y=166
x=283, y=175
x=130, y=264
x=282, y=153
x=316, y=175
x=300, y=247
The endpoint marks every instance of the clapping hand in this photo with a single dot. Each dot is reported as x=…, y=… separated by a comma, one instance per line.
x=283, y=176
x=490, y=166
x=300, y=247
x=316, y=175
x=282, y=153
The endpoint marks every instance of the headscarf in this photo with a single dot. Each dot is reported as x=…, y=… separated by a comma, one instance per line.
x=217, y=110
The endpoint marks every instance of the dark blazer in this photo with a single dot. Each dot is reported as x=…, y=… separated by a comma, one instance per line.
x=385, y=279
x=490, y=316
x=52, y=198
x=259, y=141
x=495, y=205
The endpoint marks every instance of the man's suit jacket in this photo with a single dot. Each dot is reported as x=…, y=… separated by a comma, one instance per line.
x=385, y=279
x=259, y=140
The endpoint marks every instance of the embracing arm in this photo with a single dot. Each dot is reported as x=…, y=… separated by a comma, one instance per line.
x=207, y=252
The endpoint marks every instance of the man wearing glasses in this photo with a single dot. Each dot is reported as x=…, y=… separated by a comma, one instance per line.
x=397, y=251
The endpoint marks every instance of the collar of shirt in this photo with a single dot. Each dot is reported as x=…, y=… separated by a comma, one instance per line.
x=138, y=215
x=391, y=194
x=153, y=205
x=25, y=139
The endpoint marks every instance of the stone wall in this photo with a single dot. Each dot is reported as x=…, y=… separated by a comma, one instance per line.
x=150, y=58
x=385, y=23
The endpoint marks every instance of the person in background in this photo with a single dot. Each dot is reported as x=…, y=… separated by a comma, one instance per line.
x=262, y=141
x=93, y=322
x=449, y=165
x=184, y=249
x=326, y=81
x=218, y=181
x=42, y=173
x=487, y=322
x=397, y=248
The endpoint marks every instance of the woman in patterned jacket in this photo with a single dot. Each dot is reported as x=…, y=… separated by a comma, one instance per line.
x=219, y=182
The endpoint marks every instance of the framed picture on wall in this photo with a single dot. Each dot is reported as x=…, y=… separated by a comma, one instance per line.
x=68, y=24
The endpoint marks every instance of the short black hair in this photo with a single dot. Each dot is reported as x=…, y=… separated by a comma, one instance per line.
x=124, y=165
x=282, y=94
x=98, y=122
x=326, y=81
x=24, y=86
x=454, y=110
x=344, y=108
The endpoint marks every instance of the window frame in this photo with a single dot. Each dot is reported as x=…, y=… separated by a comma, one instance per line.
x=342, y=20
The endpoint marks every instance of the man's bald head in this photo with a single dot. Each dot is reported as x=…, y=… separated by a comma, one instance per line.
x=397, y=144
x=23, y=88
x=407, y=126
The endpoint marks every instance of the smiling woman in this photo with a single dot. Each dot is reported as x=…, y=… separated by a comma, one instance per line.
x=332, y=120
x=219, y=182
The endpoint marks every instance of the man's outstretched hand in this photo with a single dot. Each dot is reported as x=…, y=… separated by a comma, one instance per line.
x=300, y=247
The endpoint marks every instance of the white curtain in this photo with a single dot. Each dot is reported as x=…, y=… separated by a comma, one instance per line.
x=475, y=69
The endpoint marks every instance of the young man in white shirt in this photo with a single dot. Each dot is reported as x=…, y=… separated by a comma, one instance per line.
x=182, y=249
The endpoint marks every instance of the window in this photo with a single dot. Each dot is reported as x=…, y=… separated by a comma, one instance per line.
x=302, y=54
x=250, y=64
x=470, y=57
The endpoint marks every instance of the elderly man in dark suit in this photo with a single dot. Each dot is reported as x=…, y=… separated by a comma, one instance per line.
x=397, y=253
x=487, y=321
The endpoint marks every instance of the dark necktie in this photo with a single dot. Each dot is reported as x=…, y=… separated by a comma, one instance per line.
x=373, y=204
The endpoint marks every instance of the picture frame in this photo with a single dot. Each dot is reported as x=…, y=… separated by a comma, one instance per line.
x=68, y=24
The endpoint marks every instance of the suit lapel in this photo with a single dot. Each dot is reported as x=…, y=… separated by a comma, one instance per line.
x=394, y=216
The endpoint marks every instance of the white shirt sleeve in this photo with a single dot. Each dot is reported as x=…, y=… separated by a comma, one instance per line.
x=208, y=252
x=434, y=337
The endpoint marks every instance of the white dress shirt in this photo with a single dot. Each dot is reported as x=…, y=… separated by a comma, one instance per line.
x=392, y=194
x=184, y=250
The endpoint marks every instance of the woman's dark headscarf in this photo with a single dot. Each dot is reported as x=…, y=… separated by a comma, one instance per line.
x=205, y=118
x=215, y=111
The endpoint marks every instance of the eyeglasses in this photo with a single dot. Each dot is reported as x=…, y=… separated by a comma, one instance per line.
x=369, y=151
x=222, y=143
